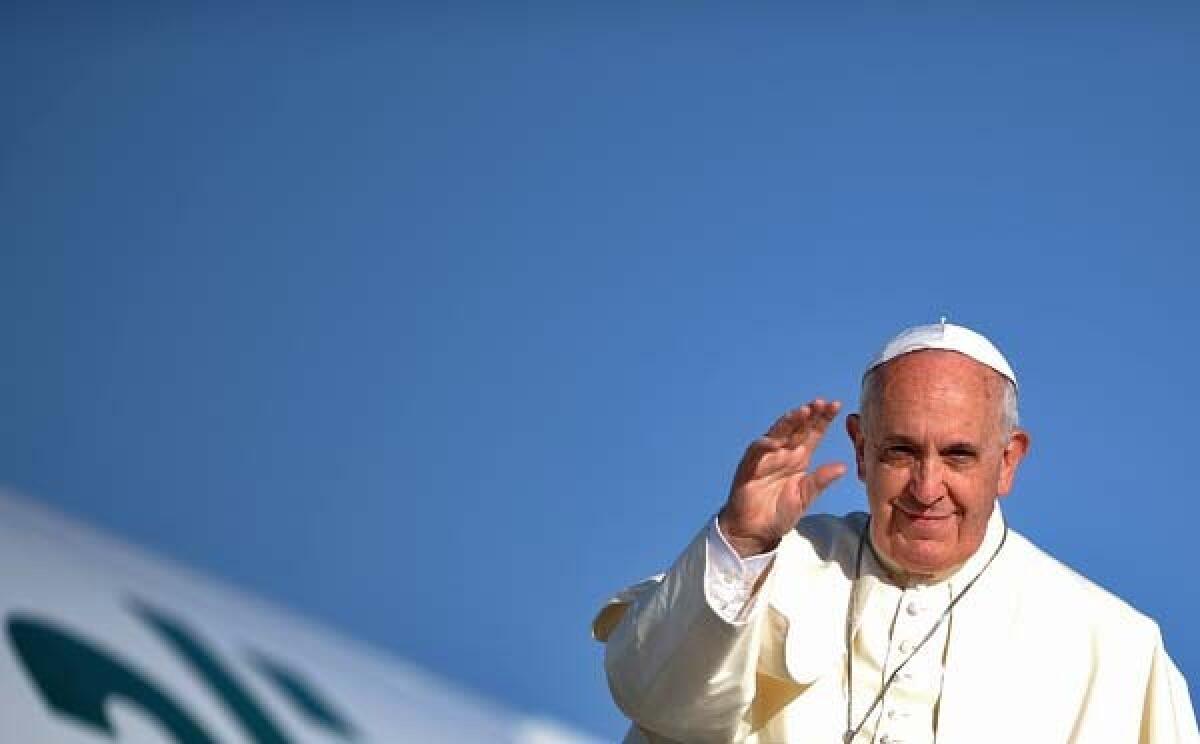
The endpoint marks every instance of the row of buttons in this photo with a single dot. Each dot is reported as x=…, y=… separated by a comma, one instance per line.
x=917, y=604
x=893, y=715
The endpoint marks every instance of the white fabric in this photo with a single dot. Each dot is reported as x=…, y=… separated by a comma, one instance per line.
x=729, y=579
x=1035, y=653
x=888, y=632
x=948, y=337
x=889, y=629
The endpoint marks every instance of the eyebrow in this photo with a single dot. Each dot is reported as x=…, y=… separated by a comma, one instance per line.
x=962, y=446
x=900, y=439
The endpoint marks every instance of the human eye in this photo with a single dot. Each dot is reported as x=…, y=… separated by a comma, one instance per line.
x=898, y=452
x=961, y=455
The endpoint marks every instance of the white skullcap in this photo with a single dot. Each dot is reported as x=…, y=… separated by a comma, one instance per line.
x=949, y=337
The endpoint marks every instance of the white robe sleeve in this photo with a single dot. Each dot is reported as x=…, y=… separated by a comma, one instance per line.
x=675, y=666
x=1167, y=714
x=729, y=579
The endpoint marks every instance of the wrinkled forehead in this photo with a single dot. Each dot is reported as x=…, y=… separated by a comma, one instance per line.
x=949, y=387
x=938, y=367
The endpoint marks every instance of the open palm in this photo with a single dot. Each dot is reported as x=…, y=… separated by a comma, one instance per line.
x=773, y=486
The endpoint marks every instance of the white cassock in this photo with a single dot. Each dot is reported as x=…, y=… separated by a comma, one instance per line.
x=1032, y=653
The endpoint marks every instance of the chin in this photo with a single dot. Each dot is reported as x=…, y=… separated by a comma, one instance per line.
x=923, y=558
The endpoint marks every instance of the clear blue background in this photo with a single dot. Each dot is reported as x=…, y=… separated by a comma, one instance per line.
x=439, y=322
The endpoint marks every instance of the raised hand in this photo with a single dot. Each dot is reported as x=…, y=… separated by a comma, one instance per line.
x=773, y=487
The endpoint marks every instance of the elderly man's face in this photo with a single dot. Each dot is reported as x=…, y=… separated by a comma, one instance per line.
x=934, y=458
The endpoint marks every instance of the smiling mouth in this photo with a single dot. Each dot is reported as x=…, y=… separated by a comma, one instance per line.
x=921, y=516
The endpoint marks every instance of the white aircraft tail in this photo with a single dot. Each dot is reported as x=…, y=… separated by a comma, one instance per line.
x=105, y=643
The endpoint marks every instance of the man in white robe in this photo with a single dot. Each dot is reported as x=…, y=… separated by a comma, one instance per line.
x=926, y=621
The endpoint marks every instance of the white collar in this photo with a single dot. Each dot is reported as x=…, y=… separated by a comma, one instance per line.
x=992, y=536
x=875, y=575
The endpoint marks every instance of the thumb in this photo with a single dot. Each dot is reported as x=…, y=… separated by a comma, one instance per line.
x=826, y=474
x=810, y=486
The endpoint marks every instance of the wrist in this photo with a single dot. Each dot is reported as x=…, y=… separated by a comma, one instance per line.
x=744, y=545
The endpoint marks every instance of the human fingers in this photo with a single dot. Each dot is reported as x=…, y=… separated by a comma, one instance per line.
x=794, y=426
x=760, y=450
x=822, y=413
x=764, y=445
x=783, y=463
x=807, y=488
x=786, y=447
x=791, y=461
x=755, y=459
x=826, y=474
x=788, y=423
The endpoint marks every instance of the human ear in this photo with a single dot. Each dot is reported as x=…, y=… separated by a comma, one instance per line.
x=859, y=440
x=1014, y=451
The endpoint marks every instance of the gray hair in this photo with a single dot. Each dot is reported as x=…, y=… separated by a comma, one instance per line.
x=1009, y=419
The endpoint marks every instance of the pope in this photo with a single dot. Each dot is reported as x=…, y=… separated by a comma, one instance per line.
x=926, y=620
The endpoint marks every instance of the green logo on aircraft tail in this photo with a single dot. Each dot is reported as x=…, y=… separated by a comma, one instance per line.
x=76, y=678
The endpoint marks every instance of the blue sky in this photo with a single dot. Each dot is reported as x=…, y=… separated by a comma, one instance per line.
x=438, y=323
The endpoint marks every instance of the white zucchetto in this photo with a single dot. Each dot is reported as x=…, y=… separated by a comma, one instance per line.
x=948, y=337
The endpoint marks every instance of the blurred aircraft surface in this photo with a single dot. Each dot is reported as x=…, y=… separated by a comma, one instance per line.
x=106, y=643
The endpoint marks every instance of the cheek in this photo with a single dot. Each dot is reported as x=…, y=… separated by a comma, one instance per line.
x=884, y=485
x=888, y=480
x=975, y=491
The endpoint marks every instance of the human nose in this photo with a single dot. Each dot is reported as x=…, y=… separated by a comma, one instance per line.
x=927, y=486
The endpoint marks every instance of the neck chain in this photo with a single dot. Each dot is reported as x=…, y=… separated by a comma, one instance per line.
x=851, y=610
